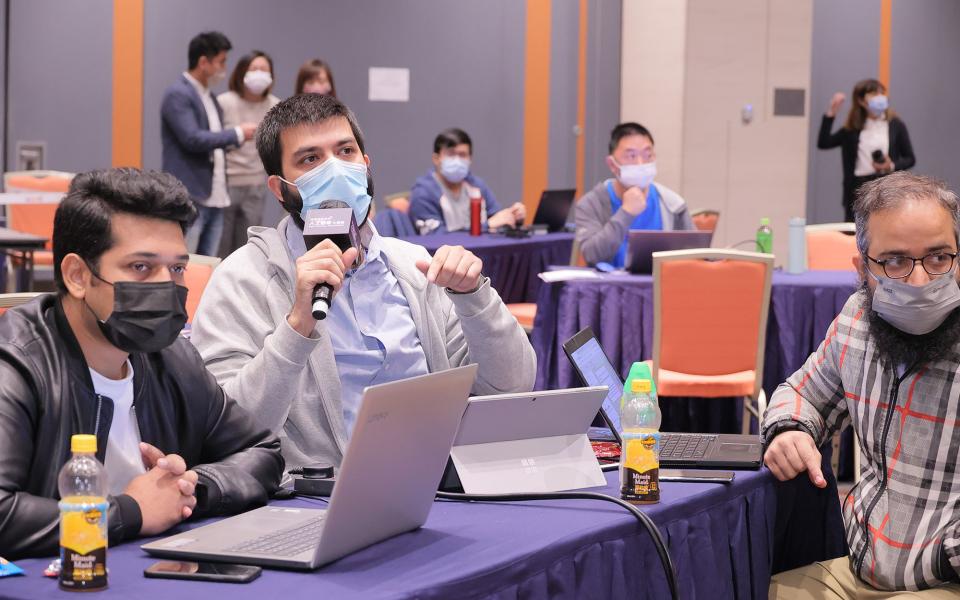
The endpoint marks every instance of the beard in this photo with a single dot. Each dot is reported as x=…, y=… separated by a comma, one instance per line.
x=896, y=347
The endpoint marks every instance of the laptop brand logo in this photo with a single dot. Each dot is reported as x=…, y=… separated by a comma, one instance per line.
x=376, y=417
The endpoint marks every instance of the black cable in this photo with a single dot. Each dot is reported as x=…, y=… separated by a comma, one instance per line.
x=650, y=526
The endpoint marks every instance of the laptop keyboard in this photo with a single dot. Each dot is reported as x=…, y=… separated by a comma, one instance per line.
x=685, y=446
x=286, y=542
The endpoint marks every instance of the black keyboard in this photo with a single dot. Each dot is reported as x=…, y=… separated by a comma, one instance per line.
x=286, y=542
x=684, y=446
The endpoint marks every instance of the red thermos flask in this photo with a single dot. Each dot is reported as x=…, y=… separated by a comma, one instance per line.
x=475, y=207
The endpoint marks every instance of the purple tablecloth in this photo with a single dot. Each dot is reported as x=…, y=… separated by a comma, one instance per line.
x=619, y=308
x=512, y=264
x=721, y=538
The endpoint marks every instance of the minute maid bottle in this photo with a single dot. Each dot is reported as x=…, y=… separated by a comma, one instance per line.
x=640, y=454
x=83, y=518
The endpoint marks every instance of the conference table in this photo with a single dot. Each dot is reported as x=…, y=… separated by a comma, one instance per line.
x=724, y=539
x=22, y=245
x=619, y=309
x=512, y=264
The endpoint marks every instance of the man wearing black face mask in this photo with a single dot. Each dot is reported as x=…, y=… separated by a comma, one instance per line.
x=889, y=365
x=103, y=357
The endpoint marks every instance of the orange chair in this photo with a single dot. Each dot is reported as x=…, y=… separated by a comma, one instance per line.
x=11, y=300
x=710, y=323
x=399, y=201
x=706, y=219
x=831, y=246
x=198, y=274
x=36, y=218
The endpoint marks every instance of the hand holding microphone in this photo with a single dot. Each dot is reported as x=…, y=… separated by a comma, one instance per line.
x=332, y=242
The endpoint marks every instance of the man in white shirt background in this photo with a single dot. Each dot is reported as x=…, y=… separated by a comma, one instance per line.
x=194, y=140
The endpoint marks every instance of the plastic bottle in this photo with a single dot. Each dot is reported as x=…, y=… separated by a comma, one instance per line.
x=83, y=518
x=797, y=257
x=639, y=457
x=765, y=236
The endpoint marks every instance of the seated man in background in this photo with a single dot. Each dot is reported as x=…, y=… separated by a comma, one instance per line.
x=440, y=199
x=102, y=356
x=397, y=312
x=889, y=365
x=630, y=200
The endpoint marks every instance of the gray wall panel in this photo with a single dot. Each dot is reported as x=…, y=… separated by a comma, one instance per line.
x=60, y=81
x=564, y=46
x=603, y=87
x=465, y=60
x=846, y=38
x=924, y=53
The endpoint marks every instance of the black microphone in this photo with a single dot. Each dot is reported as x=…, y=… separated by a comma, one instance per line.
x=333, y=220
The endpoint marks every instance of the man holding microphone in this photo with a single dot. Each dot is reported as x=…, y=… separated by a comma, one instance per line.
x=397, y=312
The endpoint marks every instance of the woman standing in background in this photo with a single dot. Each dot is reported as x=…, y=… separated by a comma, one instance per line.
x=248, y=101
x=874, y=141
x=315, y=77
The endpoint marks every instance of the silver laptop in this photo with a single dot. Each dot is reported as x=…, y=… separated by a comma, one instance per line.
x=385, y=485
x=641, y=244
x=526, y=442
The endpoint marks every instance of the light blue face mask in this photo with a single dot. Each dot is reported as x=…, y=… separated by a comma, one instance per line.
x=878, y=105
x=335, y=179
x=454, y=169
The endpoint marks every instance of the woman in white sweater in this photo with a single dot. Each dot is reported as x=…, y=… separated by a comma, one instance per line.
x=248, y=101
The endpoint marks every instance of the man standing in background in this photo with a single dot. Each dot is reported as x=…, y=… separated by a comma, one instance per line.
x=194, y=139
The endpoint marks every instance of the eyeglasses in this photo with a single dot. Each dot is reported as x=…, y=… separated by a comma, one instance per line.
x=900, y=267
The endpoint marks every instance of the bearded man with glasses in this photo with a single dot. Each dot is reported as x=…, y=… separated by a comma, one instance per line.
x=889, y=366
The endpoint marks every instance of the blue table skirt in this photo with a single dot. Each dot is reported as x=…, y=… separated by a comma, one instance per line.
x=512, y=264
x=721, y=537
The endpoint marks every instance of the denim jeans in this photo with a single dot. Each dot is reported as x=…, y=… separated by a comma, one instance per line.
x=203, y=237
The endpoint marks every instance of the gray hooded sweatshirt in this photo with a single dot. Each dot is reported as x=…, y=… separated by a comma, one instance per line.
x=600, y=232
x=291, y=383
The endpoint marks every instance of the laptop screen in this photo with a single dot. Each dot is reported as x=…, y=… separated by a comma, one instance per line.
x=595, y=369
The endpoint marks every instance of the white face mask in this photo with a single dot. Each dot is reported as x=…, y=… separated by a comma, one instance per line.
x=916, y=309
x=257, y=81
x=640, y=176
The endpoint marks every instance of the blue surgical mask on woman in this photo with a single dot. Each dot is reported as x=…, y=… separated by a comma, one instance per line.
x=335, y=179
x=878, y=105
x=454, y=169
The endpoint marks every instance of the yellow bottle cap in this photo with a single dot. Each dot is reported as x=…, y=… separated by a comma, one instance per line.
x=83, y=442
x=640, y=386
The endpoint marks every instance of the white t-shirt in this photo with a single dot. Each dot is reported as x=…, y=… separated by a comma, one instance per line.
x=122, y=461
x=875, y=135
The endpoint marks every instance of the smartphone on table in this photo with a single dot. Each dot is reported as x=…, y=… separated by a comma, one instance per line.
x=202, y=571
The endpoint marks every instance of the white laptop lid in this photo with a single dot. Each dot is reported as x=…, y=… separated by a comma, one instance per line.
x=530, y=442
x=389, y=476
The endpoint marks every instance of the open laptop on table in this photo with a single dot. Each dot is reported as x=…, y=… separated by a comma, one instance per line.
x=641, y=244
x=700, y=450
x=554, y=208
x=385, y=485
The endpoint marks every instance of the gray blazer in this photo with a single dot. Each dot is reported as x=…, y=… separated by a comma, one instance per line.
x=600, y=232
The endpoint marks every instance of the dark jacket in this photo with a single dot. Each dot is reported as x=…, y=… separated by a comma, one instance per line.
x=901, y=151
x=425, y=199
x=46, y=395
x=188, y=143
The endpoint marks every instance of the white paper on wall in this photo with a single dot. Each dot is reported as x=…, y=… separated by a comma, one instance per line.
x=389, y=84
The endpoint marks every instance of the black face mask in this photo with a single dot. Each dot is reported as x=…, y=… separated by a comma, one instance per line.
x=146, y=317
